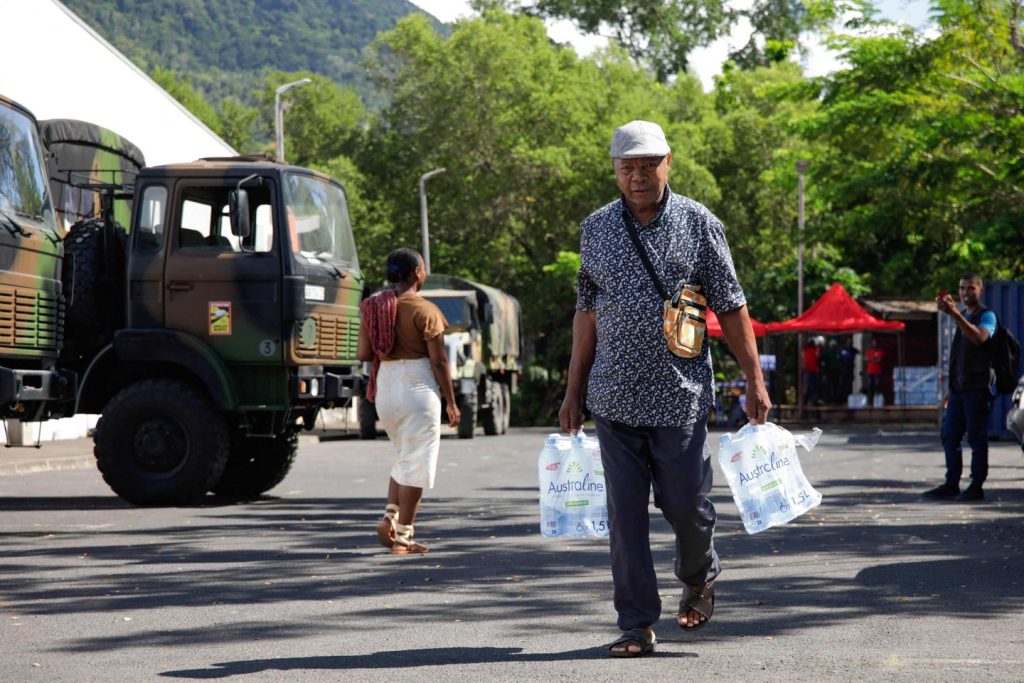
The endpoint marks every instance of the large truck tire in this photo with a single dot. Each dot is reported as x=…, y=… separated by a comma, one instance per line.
x=367, y=419
x=93, y=276
x=161, y=442
x=467, y=423
x=493, y=417
x=256, y=465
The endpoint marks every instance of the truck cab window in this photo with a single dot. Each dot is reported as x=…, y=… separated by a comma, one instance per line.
x=151, y=218
x=205, y=223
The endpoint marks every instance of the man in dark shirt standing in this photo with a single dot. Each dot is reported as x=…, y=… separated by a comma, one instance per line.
x=650, y=406
x=970, y=394
x=830, y=368
x=847, y=365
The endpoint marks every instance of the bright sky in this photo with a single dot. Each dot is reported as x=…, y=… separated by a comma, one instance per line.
x=706, y=62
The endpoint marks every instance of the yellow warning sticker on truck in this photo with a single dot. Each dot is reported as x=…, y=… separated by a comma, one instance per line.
x=220, y=318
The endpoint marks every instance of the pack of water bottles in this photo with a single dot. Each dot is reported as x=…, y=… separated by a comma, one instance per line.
x=572, y=488
x=763, y=470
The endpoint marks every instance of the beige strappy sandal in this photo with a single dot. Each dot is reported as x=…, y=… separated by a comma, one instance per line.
x=404, y=544
x=386, y=527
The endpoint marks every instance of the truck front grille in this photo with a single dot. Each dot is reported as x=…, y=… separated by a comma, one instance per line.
x=336, y=339
x=30, y=318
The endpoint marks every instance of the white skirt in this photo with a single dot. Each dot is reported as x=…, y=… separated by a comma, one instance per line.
x=409, y=407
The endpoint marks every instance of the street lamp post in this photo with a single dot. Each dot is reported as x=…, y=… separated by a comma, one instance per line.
x=801, y=168
x=423, y=214
x=279, y=114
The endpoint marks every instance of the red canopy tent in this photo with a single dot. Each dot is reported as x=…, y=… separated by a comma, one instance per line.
x=835, y=313
x=715, y=328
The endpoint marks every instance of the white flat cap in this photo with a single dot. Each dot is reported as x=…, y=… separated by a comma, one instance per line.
x=639, y=139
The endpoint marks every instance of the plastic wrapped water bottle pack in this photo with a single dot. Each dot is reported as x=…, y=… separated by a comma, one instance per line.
x=572, y=487
x=763, y=470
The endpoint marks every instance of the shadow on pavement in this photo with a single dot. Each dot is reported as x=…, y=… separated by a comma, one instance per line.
x=873, y=548
x=398, y=659
x=77, y=503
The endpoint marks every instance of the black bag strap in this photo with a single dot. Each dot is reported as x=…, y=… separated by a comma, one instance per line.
x=642, y=253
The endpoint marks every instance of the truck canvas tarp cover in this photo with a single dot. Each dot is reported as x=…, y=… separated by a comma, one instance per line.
x=83, y=155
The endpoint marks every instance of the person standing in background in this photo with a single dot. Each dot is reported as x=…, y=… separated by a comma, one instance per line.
x=970, y=391
x=847, y=367
x=873, y=359
x=830, y=368
x=812, y=372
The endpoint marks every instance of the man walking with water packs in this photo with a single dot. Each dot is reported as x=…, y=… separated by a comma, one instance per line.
x=650, y=399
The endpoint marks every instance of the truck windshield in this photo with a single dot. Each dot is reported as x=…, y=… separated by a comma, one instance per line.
x=24, y=193
x=455, y=308
x=319, y=227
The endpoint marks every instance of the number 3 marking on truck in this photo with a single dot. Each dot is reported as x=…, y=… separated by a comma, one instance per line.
x=267, y=347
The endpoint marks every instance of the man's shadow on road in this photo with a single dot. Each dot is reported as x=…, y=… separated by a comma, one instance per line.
x=392, y=659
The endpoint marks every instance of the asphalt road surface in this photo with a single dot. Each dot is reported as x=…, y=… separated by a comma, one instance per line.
x=873, y=584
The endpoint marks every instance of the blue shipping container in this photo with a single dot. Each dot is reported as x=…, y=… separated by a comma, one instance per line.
x=1006, y=298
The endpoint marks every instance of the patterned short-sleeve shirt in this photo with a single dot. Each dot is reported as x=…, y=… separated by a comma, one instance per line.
x=635, y=378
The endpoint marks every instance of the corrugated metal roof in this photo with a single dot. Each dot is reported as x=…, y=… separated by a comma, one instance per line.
x=900, y=309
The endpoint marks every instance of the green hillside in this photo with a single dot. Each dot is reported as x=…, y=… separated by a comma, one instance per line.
x=224, y=47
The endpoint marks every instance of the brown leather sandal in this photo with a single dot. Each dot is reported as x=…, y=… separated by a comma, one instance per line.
x=404, y=544
x=702, y=602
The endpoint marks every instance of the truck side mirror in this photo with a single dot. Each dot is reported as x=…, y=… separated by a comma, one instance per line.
x=238, y=206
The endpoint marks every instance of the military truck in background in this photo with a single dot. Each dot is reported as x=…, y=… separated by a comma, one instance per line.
x=32, y=386
x=485, y=352
x=205, y=335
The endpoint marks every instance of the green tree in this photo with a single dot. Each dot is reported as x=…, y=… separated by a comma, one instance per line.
x=239, y=125
x=923, y=175
x=659, y=33
x=234, y=122
x=182, y=90
x=753, y=152
x=663, y=33
x=227, y=48
x=321, y=119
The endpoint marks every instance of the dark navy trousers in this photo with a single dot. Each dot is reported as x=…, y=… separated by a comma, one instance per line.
x=966, y=413
x=671, y=460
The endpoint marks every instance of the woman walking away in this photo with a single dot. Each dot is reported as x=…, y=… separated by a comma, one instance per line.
x=403, y=334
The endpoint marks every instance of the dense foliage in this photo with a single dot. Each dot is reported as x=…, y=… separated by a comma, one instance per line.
x=914, y=150
x=229, y=47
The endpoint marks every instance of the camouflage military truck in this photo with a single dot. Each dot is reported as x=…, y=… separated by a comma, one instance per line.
x=241, y=288
x=32, y=387
x=484, y=345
